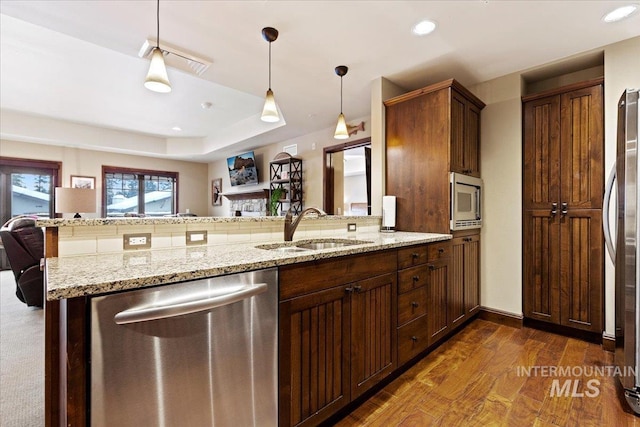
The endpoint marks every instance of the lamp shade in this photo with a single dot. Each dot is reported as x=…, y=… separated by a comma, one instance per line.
x=75, y=200
x=157, y=79
x=270, y=110
x=341, y=128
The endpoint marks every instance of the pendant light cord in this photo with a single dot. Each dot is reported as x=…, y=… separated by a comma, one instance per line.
x=269, y=64
x=340, y=94
x=158, y=25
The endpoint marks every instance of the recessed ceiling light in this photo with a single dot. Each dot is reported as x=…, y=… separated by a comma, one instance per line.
x=176, y=128
x=620, y=13
x=206, y=105
x=423, y=28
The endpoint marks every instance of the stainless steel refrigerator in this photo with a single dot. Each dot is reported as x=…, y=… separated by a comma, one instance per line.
x=625, y=251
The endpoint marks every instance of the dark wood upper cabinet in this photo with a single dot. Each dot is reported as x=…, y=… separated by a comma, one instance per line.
x=430, y=132
x=562, y=206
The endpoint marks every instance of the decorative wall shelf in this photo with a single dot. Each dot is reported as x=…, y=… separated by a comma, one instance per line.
x=259, y=193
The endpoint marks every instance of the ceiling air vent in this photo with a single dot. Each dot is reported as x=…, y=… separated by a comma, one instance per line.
x=176, y=58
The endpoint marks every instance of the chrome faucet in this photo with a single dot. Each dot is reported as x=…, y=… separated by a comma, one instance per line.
x=290, y=225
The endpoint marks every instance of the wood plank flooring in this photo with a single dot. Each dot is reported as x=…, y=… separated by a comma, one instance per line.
x=476, y=378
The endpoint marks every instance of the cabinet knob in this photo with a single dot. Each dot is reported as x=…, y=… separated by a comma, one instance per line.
x=415, y=255
x=416, y=278
x=432, y=267
x=565, y=208
x=414, y=338
x=357, y=288
x=414, y=304
x=348, y=290
x=440, y=250
x=554, y=208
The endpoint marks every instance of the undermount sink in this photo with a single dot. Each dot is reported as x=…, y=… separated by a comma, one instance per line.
x=311, y=244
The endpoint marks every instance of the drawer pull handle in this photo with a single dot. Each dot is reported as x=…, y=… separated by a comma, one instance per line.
x=432, y=267
x=414, y=338
x=349, y=289
x=440, y=250
x=357, y=288
x=416, y=278
x=414, y=304
x=415, y=255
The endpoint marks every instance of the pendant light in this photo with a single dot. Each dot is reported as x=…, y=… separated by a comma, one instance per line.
x=157, y=79
x=270, y=110
x=341, y=127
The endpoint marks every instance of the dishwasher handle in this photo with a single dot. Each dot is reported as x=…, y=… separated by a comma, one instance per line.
x=144, y=314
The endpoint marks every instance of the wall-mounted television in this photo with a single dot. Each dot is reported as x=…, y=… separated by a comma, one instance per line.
x=242, y=169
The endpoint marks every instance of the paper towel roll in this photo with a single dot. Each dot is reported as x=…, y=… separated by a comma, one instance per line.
x=388, y=214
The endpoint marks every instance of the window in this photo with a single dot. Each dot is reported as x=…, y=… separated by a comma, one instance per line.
x=26, y=187
x=139, y=192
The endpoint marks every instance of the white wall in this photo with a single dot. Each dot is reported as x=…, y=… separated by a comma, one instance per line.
x=501, y=170
x=192, y=177
x=621, y=71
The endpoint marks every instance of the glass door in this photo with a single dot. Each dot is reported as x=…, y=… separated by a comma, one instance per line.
x=26, y=188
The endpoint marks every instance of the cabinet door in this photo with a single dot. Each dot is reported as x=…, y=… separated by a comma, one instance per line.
x=541, y=153
x=456, y=298
x=541, y=241
x=373, y=325
x=472, y=274
x=581, y=269
x=437, y=322
x=314, y=356
x=582, y=149
x=465, y=136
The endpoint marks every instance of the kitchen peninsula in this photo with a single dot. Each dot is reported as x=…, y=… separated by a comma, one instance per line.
x=394, y=268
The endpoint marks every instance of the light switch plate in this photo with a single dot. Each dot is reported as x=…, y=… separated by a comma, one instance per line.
x=351, y=227
x=136, y=241
x=196, y=237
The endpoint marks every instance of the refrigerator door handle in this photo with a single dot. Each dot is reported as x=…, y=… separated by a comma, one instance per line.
x=606, y=205
x=144, y=314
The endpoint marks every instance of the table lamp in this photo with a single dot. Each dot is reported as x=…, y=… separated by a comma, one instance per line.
x=69, y=200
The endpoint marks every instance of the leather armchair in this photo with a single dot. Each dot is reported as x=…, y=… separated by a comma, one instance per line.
x=24, y=245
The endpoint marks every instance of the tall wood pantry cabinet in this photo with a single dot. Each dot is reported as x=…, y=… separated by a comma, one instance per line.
x=430, y=132
x=562, y=206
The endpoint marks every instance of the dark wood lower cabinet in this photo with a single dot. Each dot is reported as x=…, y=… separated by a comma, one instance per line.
x=314, y=356
x=337, y=343
x=437, y=301
x=563, y=268
x=373, y=338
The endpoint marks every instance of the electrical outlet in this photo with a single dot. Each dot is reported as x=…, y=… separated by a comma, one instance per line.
x=351, y=227
x=196, y=237
x=137, y=241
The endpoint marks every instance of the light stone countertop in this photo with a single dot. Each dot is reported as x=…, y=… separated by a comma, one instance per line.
x=83, y=275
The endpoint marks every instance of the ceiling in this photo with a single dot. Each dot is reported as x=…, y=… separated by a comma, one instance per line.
x=77, y=61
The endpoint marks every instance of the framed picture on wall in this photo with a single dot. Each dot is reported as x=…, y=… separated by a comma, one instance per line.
x=78, y=181
x=216, y=192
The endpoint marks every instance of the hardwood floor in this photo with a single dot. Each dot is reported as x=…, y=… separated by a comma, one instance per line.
x=477, y=378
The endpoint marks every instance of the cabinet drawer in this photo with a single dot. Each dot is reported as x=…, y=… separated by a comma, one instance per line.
x=409, y=257
x=412, y=278
x=439, y=250
x=412, y=305
x=413, y=338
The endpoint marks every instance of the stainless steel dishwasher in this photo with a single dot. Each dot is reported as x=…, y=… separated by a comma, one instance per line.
x=198, y=353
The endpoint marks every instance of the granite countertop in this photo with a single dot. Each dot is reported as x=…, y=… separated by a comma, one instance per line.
x=92, y=222
x=75, y=276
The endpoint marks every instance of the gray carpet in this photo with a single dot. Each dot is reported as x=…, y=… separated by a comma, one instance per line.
x=21, y=359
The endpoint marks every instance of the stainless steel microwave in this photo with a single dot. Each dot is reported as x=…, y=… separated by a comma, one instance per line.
x=466, y=201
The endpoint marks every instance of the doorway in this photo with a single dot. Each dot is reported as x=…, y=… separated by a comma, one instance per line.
x=347, y=178
x=26, y=188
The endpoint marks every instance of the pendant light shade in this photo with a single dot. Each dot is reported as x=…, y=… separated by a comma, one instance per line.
x=157, y=79
x=270, y=109
x=341, y=128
